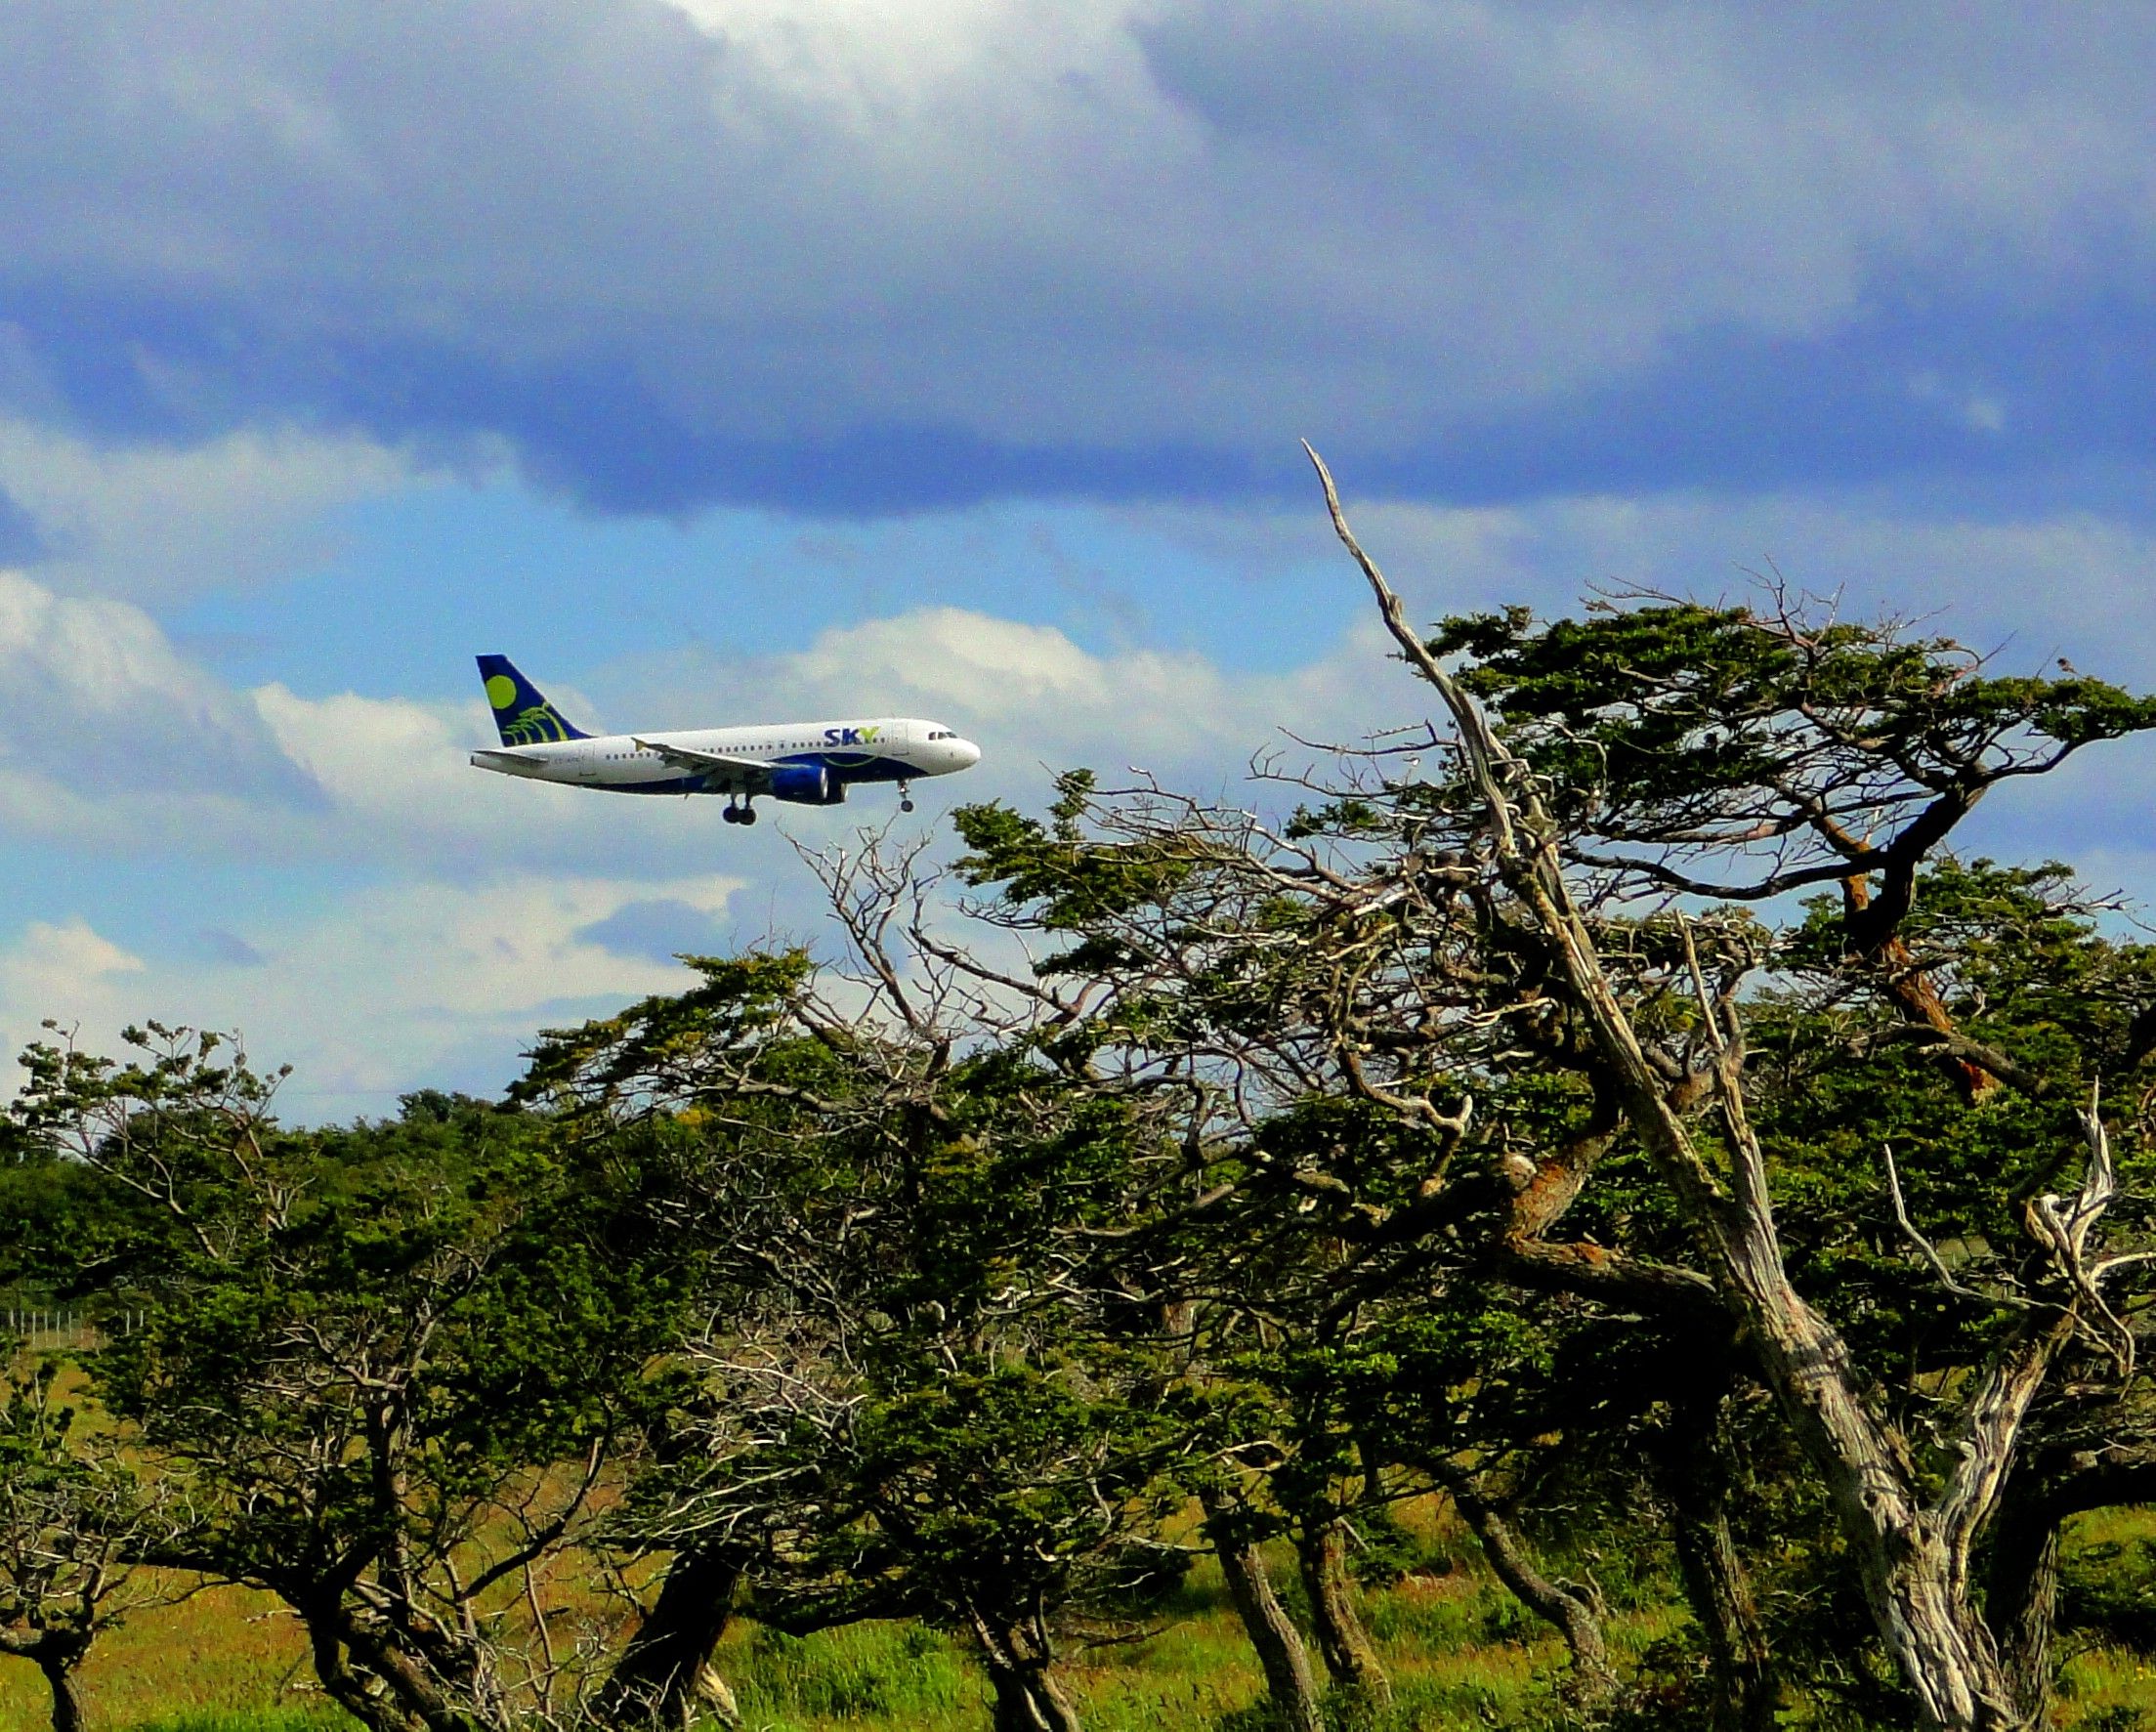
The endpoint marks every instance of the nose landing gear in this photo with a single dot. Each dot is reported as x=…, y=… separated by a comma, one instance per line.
x=906, y=796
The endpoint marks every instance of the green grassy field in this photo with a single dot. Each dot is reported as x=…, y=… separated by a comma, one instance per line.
x=226, y=1662
x=1461, y=1653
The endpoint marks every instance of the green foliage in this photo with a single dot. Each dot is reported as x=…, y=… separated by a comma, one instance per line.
x=1073, y=882
x=1659, y=707
x=366, y=1353
x=1385, y=1549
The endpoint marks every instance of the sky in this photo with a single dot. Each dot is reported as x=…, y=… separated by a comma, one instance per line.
x=738, y=359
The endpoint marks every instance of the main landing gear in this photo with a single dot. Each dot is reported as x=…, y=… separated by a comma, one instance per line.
x=906, y=796
x=739, y=813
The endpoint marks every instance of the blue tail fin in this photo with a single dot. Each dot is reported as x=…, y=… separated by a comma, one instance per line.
x=521, y=710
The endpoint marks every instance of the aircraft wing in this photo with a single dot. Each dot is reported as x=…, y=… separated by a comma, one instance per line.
x=746, y=773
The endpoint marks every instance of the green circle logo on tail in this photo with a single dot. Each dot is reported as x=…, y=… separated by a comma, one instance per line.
x=501, y=690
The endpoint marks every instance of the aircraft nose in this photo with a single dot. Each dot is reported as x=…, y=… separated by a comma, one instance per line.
x=966, y=752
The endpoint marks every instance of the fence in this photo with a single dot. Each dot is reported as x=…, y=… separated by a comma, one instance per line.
x=45, y=1328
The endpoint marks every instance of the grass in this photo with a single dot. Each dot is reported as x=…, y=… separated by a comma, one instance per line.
x=258, y=1719
x=1460, y=1652
x=229, y=1661
x=220, y=1658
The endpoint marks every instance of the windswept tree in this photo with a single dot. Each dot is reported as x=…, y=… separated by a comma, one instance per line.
x=1549, y=969
x=388, y=1366
x=74, y=1517
x=1915, y=739
x=901, y=1405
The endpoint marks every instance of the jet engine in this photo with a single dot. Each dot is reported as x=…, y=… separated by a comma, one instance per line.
x=807, y=784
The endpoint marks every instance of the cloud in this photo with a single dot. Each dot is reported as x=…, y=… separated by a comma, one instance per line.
x=2076, y=582
x=381, y=991
x=54, y=965
x=395, y=786
x=126, y=743
x=116, y=738
x=658, y=929
x=821, y=255
x=230, y=949
x=399, y=792
x=1038, y=702
x=160, y=524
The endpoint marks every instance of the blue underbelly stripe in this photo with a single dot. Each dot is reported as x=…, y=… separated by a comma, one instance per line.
x=679, y=784
x=846, y=767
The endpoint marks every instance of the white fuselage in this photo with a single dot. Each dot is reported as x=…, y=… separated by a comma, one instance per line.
x=741, y=760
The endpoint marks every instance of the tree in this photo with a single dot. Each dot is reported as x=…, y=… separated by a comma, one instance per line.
x=72, y=1516
x=893, y=1414
x=1951, y=737
x=1494, y=964
x=389, y=1365
x=1499, y=1120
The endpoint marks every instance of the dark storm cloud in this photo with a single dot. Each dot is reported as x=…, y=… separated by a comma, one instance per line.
x=1485, y=251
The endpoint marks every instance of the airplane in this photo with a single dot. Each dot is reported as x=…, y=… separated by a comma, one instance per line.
x=805, y=763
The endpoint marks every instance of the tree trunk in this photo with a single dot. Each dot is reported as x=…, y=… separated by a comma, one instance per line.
x=1695, y=1485
x=60, y=1679
x=402, y=1685
x=1720, y=1590
x=655, y=1681
x=362, y=1698
x=1569, y=1611
x=1030, y=1701
x=1908, y=988
x=2021, y=1603
x=1281, y=1652
x=1910, y=1555
x=1027, y=1699
x=1350, y=1658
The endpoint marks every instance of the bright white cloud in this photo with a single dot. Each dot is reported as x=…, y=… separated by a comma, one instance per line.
x=54, y=966
x=398, y=790
x=115, y=739
x=389, y=986
x=1038, y=702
